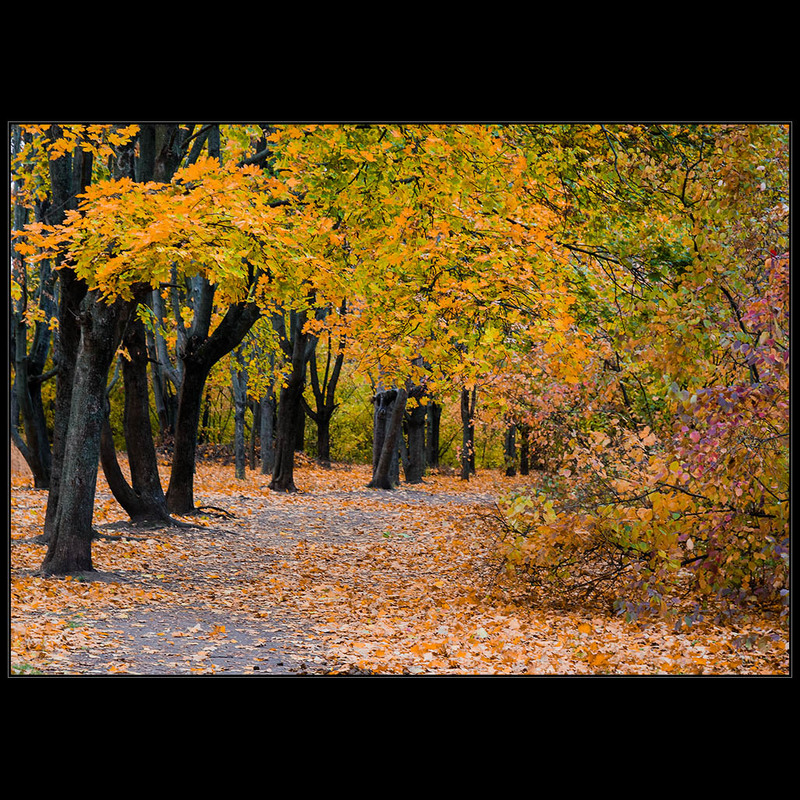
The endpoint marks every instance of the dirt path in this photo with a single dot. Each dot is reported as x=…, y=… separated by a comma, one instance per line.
x=232, y=597
x=335, y=580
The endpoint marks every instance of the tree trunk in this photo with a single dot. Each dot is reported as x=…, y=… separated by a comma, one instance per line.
x=267, y=433
x=29, y=363
x=290, y=404
x=432, y=438
x=524, y=450
x=325, y=395
x=69, y=549
x=200, y=355
x=383, y=469
x=29, y=404
x=68, y=178
x=510, y=451
x=415, y=468
x=144, y=499
x=255, y=410
x=239, y=385
x=166, y=400
x=467, y=432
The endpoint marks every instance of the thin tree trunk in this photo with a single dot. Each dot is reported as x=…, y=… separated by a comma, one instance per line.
x=524, y=450
x=324, y=397
x=468, y=402
x=239, y=385
x=255, y=410
x=510, y=450
x=267, y=433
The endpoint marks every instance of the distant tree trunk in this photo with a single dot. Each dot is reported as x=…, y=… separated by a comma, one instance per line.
x=267, y=433
x=390, y=410
x=432, y=443
x=415, y=467
x=255, y=410
x=468, y=402
x=290, y=404
x=239, y=386
x=510, y=450
x=28, y=397
x=324, y=397
x=524, y=449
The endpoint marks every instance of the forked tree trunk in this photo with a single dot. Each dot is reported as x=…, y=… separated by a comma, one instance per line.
x=387, y=454
x=297, y=346
x=200, y=355
x=69, y=548
x=324, y=397
x=144, y=499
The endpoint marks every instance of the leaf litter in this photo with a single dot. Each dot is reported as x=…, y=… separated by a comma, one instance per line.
x=334, y=580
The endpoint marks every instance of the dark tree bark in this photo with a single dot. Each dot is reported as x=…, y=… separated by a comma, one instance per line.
x=200, y=355
x=239, y=386
x=524, y=449
x=29, y=365
x=255, y=410
x=468, y=402
x=165, y=378
x=324, y=397
x=69, y=548
x=383, y=405
x=432, y=438
x=144, y=499
x=26, y=404
x=267, y=433
x=297, y=346
x=390, y=411
x=415, y=465
x=68, y=178
x=510, y=450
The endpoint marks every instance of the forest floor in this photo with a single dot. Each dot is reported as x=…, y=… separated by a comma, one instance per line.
x=334, y=580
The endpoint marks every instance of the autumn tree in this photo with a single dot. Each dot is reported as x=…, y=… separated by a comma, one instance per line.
x=673, y=394
x=323, y=386
x=122, y=241
x=33, y=316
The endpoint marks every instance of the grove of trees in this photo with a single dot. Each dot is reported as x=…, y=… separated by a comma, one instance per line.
x=611, y=299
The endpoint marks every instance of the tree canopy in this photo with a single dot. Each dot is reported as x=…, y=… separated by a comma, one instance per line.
x=620, y=292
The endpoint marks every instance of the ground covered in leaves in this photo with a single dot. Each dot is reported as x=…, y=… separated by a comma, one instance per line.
x=335, y=580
